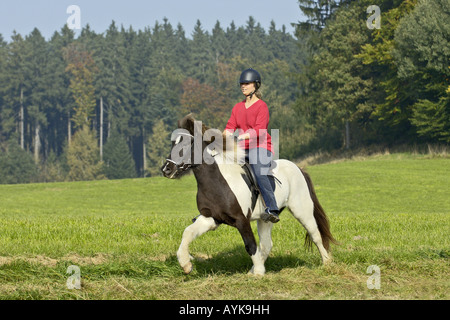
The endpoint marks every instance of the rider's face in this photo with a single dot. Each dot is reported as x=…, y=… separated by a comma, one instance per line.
x=247, y=88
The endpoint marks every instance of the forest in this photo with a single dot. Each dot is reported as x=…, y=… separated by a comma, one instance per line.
x=103, y=105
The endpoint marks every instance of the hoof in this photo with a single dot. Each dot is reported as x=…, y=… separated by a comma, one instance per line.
x=328, y=259
x=188, y=268
x=258, y=272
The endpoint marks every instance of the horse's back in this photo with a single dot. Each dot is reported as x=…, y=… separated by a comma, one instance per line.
x=290, y=185
x=292, y=182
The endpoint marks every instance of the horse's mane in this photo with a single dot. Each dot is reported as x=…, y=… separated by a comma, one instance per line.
x=188, y=123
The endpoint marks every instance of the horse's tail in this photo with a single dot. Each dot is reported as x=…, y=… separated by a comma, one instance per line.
x=320, y=216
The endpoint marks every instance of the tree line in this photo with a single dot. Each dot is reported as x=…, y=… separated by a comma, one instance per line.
x=104, y=105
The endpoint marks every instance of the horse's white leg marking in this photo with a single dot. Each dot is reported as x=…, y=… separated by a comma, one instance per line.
x=265, y=238
x=199, y=227
x=258, y=268
x=264, y=247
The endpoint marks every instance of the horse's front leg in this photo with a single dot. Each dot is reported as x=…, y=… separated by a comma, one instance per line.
x=265, y=238
x=199, y=227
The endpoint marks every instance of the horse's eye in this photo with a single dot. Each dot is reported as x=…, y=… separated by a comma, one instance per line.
x=177, y=141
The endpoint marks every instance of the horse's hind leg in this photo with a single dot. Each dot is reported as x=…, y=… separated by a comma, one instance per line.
x=199, y=227
x=303, y=211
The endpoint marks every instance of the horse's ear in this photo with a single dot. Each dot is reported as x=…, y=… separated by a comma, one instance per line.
x=182, y=122
x=187, y=123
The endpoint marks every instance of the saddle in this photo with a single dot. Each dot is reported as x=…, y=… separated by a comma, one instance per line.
x=250, y=179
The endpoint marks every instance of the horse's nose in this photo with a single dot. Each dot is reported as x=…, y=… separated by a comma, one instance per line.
x=165, y=169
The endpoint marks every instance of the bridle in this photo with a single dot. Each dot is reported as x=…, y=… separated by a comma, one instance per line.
x=181, y=166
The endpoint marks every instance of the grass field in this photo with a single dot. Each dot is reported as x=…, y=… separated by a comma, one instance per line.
x=392, y=211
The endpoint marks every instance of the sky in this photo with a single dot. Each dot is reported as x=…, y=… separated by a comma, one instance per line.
x=51, y=15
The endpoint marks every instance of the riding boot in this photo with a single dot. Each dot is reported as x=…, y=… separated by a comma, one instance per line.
x=271, y=216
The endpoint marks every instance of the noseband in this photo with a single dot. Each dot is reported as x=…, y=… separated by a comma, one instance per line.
x=181, y=167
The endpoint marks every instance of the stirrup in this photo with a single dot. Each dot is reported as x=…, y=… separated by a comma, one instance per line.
x=270, y=216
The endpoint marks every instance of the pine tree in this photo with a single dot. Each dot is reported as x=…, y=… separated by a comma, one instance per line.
x=255, y=42
x=118, y=162
x=166, y=85
x=82, y=68
x=16, y=165
x=83, y=157
x=318, y=12
x=14, y=89
x=112, y=81
x=140, y=83
x=432, y=119
x=202, y=55
x=38, y=80
x=58, y=93
x=3, y=74
x=181, y=49
x=158, y=148
x=219, y=44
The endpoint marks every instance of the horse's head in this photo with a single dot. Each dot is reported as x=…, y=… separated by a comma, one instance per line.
x=187, y=148
x=194, y=144
x=179, y=160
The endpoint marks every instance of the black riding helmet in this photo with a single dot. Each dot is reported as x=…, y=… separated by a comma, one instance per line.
x=249, y=76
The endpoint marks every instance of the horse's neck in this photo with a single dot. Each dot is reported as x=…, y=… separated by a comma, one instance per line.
x=206, y=174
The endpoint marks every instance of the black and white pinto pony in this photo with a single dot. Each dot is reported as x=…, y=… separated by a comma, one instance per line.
x=223, y=197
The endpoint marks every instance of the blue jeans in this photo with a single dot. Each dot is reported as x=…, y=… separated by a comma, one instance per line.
x=260, y=160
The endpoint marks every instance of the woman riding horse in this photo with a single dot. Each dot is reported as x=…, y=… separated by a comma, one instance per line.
x=223, y=194
x=251, y=118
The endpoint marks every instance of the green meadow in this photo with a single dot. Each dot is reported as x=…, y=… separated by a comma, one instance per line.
x=390, y=211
